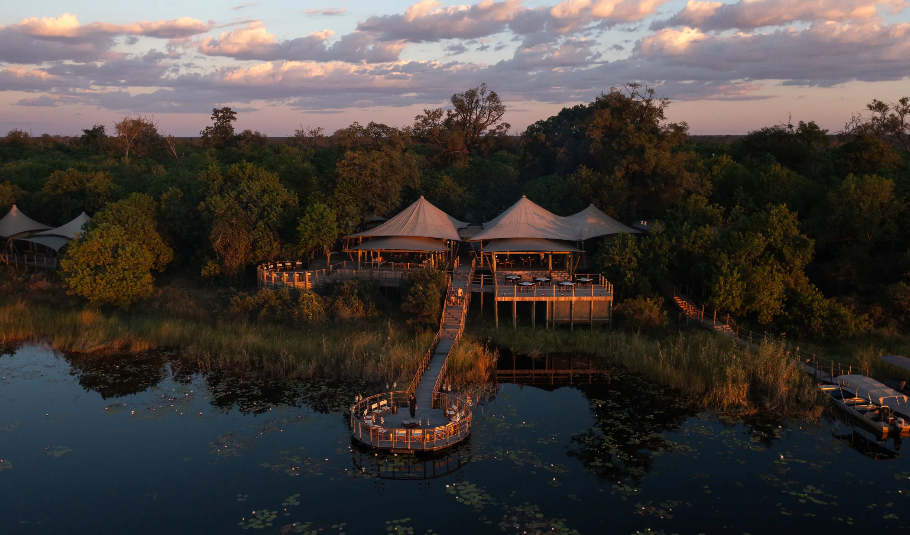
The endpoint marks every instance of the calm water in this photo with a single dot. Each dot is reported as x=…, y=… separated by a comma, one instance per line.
x=139, y=445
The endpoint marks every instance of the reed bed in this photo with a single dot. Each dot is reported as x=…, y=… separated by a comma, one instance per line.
x=712, y=370
x=470, y=363
x=376, y=351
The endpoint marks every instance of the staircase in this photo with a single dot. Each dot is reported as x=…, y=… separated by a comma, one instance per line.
x=695, y=314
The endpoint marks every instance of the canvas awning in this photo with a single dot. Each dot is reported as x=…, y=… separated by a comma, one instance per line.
x=402, y=244
x=16, y=223
x=56, y=238
x=529, y=245
x=420, y=219
x=524, y=219
x=592, y=223
x=868, y=388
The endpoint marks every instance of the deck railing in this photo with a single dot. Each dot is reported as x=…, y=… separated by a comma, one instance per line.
x=426, y=438
x=294, y=275
x=30, y=260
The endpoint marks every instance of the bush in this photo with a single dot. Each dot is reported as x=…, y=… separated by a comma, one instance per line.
x=354, y=299
x=287, y=306
x=642, y=311
x=422, y=293
x=107, y=267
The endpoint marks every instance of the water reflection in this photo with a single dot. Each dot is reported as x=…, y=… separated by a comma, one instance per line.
x=384, y=465
x=117, y=376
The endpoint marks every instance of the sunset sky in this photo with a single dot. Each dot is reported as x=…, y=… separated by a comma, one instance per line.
x=728, y=66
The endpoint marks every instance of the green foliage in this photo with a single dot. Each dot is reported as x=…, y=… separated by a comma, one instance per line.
x=221, y=133
x=422, y=295
x=619, y=262
x=9, y=194
x=73, y=191
x=354, y=299
x=642, y=311
x=759, y=258
x=862, y=210
x=106, y=266
x=318, y=230
x=244, y=207
x=286, y=306
x=136, y=214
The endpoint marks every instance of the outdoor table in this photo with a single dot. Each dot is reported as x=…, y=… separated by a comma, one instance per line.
x=513, y=278
x=526, y=284
x=541, y=280
x=410, y=424
x=565, y=285
x=583, y=280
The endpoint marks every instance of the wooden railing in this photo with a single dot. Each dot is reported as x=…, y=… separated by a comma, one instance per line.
x=425, y=361
x=427, y=438
x=553, y=289
x=293, y=274
x=30, y=259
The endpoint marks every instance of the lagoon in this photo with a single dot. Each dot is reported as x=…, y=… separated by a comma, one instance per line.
x=143, y=444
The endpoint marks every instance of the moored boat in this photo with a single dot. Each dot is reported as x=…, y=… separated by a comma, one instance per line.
x=871, y=404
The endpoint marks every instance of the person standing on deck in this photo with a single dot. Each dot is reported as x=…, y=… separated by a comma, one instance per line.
x=412, y=404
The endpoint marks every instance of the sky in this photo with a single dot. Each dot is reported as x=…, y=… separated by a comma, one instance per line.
x=728, y=66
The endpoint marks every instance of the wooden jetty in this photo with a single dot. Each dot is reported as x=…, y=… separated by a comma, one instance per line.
x=565, y=300
x=447, y=417
x=39, y=261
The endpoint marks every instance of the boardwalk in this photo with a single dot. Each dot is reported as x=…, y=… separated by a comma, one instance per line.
x=446, y=419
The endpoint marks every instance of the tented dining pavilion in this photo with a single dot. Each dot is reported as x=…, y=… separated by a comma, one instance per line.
x=527, y=231
x=420, y=233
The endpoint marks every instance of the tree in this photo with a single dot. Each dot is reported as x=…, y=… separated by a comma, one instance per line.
x=72, y=191
x=475, y=117
x=221, y=133
x=422, y=292
x=137, y=215
x=244, y=208
x=318, y=229
x=862, y=210
x=9, y=194
x=619, y=262
x=106, y=266
x=624, y=157
x=94, y=137
x=136, y=135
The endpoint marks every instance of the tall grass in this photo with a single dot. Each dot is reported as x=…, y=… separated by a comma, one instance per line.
x=470, y=363
x=376, y=351
x=712, y=370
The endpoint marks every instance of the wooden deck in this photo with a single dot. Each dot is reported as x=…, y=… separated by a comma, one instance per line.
x=431, y=403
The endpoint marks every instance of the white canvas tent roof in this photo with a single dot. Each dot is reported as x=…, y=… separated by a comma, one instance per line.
x=591, y=223
x=415, y=244
x=529, y=245
x=56, y=238
x=526, y=219
x=15, y=222
x=868, y=388
x=421, y=219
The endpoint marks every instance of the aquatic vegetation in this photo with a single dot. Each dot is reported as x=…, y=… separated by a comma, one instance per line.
x=714, y=370
x=260, y=519
x=5, y=464
x=58, y=451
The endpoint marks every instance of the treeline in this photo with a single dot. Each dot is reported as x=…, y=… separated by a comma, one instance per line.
x=791, y=226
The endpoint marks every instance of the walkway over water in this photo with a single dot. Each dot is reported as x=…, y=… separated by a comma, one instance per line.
x=380, y=421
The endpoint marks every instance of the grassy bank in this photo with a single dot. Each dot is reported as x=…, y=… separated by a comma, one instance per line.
x=376, y=351
x=713, y=370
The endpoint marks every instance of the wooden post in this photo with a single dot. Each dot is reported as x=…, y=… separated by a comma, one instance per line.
x=572, y=314
x=533, y=314
x=592, y=313
x=496, y=310
x=514, y=314
x=546, y=315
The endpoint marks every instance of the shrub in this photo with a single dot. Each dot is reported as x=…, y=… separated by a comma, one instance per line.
x=422, y=293
x=643, y=311
x=354, y=299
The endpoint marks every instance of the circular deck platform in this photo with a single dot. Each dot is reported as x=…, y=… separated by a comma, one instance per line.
x=379, y=422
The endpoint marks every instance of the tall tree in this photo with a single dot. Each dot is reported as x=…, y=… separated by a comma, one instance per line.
x=318, y=230
x=72, y=191
x=135, y=135
x=221, y=133
x=137, y=215
x=244, y=207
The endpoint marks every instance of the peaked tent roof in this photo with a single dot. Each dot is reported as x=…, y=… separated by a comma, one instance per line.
x=15, y=222
x=591, y=223
x=525, y=219
x=529, y=245
x=421, y=219
x=56, y=238
x=68, y=230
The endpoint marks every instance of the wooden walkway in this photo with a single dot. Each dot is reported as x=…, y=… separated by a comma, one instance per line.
x=450, y=331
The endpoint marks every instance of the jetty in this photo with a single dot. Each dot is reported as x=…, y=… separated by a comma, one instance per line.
x=382, y=421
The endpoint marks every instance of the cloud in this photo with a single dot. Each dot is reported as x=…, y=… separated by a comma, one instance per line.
x=20, y=79
x=752, y=14
x=330, y=12
x=46, y=101
x=255, y=42
x=428, y=21
x=39, y=40
x=244, y=6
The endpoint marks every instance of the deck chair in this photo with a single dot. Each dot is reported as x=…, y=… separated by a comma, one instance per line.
x=383, y=406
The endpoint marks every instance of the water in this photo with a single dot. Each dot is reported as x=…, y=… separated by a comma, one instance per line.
x=141, y=445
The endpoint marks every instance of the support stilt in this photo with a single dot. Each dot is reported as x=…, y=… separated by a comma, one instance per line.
x=496, y=311
x=533, y=314
x=514, y=314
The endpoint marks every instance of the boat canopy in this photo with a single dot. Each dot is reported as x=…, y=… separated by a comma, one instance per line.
x=897, y=360
x=868, y=388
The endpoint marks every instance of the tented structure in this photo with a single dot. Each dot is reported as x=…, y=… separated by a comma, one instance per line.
x=421, y=228
x=529, y=245
x=592, y=223
x=421, y=219
x=15, y=224
x=56, y=238
x=526, y=219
